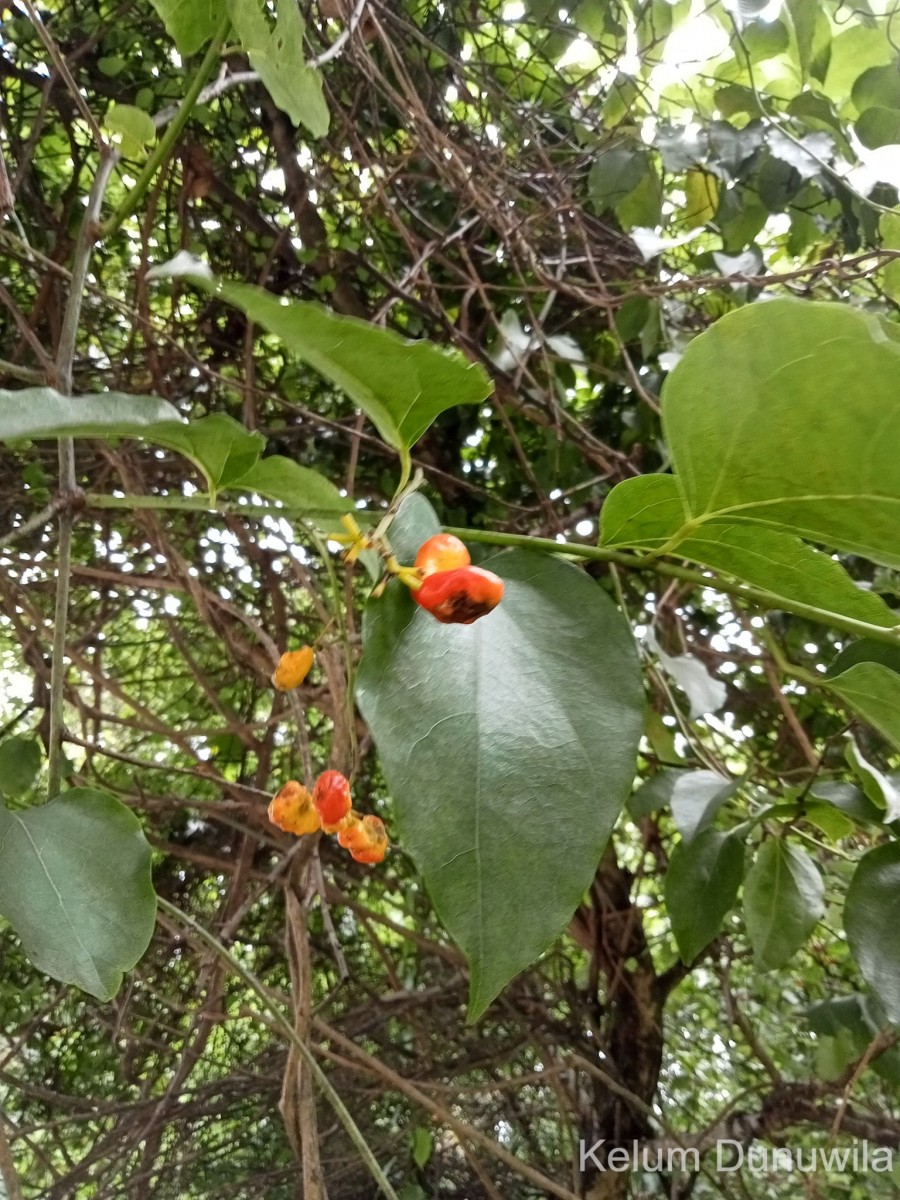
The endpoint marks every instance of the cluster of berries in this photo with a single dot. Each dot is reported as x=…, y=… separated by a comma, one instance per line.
x=444, y=583
x=451, y=589
x=330, y=808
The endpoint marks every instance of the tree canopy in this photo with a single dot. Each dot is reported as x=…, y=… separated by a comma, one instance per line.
x=611, y=292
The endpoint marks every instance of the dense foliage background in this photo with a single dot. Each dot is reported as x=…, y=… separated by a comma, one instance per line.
x=568, y=195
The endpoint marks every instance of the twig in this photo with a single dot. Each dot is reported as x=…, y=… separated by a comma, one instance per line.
x=7, y=1166
x=59, y=64
x=62, y=379
x=35, y=522
x=288, y=1031
x=168, y=140
x=342, y=39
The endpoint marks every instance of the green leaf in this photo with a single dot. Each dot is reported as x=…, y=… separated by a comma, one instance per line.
x=784, y=899
x=696, y=798
x=786, y=413
x=20, y=761
x=878, y=87
x=509, y=747
x=414, y=524
x=134, y=128
x=848, y=799
x=220, y=447
x=872, y=922
x=701, y=887
x=648, y=513
x=616, y=171
x=852, y=1022
x=865, y=650
x=400, y=385
x=300, y=489
x=858, y=46
x=879, y=789
x=41, y=412
x=642, y=207
x=75, y=885
x=421, y=1146
x=277, y=53
x=811, y=30
x=889, y=227
x=873, y=690
x=190, y=23
x=878, y=127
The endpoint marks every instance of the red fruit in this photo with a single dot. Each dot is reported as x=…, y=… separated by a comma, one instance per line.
x=461, y=596
x=331, y=796
x=443, y=552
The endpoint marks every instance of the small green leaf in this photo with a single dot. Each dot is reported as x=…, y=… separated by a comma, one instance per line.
x=41, y=412
x=75, y=885
x=422, y=1146
x=812, y=31
x=277, y=53
x=190, y=23
x=509, y=747
x=220, y=447
x=852, y=1022
x=20, y=761
x=299, y=489
x=701, y=887
x=696, y=798
x=876, y=786
x=873, y=690
x=878, y=127
x=878, y=87
x=132, y=128
x=872, y=922
x=784, y=899
x=400, y=385
x=848, y=799
x=616, y=171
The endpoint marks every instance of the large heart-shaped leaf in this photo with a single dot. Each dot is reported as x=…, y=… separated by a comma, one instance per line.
x=75, y=885
x=787, y=413
x=648, y=513
x=509, y=746
x=400, y=385
x=872, y=921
